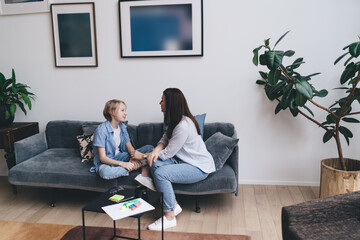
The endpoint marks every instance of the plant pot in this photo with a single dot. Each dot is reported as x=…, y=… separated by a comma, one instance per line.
x=5, y=122
x=334, y=181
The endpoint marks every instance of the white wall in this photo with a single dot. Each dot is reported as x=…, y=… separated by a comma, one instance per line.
x=273, y=149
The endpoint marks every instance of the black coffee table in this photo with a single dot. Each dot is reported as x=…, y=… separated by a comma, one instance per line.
x=103, y=200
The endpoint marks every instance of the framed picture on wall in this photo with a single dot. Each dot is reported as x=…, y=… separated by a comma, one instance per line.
x=23, y=6
x=74, y=34
x=161, y=28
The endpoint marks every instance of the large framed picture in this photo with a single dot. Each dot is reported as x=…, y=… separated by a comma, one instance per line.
x=161, y=28
x=74, y=34
x=23, y=6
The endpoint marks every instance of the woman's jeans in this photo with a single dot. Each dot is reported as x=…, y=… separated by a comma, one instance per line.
x=170, y=171
x=107, y=171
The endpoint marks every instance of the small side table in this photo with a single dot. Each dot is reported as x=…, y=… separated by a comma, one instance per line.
x=103, y=200
x=15, y=132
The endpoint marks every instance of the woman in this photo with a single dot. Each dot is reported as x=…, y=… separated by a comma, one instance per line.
x=180, y=156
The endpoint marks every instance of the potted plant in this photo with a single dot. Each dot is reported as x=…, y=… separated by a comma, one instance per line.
x=293, y=91
x=12, y=95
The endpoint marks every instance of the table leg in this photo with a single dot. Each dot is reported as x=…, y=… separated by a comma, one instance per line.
x=139, y=231
x=114, y=228
x=83, y=222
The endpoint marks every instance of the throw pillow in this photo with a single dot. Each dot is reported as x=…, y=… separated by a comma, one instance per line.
x=86, y=148
x=200, y=120
x=220, y=147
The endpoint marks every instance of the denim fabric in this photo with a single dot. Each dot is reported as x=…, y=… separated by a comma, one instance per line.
x=170, y=171
x=107, y=171
x=104, y=137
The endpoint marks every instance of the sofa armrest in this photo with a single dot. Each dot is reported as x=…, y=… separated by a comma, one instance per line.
x=30, y=147
x=233, y=161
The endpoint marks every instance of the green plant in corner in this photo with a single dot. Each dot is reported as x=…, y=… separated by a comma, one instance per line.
x=13, y=94
x=293, y=90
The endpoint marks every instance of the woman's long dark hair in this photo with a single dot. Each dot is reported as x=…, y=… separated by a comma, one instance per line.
x=176, y=107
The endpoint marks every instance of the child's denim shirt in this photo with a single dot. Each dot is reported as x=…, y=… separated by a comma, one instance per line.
x=104, y=137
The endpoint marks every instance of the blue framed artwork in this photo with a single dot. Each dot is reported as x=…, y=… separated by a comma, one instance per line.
x=74, y=34
x=161, y=28
x=23, y=6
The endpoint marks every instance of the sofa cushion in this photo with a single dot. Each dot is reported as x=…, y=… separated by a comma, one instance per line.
x=220, y=147
x=86, y=147
x=149, y=134
x=61, y=168
x=222, y=181
x=227, y=129
x=200, y=119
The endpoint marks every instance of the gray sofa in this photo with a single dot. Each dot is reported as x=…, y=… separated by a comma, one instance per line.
x=52, y=159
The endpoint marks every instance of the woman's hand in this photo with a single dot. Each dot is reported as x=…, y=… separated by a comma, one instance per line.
x=152, y=157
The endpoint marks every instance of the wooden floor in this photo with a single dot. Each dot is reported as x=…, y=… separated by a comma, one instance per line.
x=256, y=211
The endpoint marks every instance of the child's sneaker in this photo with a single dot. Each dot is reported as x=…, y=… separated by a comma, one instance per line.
x=145, y=181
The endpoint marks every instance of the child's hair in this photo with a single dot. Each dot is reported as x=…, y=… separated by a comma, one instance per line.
x=110, y=107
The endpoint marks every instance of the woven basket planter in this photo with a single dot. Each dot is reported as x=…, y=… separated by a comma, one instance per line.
x=334, y=181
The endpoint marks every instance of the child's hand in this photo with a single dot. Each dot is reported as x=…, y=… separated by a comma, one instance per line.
x=128, y=165
x=137, y=155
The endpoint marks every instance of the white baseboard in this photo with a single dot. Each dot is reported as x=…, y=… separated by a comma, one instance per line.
x=288, y=183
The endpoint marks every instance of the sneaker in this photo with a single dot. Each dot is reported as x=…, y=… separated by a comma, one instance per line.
x=177, y=209
x=145, y=181
x=156, y=226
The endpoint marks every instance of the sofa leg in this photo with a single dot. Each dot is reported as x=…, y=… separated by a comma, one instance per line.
x=53, y=194
x=197, y=205
x=14, y=189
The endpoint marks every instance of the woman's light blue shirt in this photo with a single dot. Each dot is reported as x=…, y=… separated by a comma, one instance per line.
x=104, y=137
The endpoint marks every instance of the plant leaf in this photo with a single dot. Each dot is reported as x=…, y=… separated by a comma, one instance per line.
x=12, y=109
x=309, y=110
x=345, y=131
x=278, y=108
x=354, y=49
x=274, y=76
x=262, y=60
x=327, y=136
x=256, y=55
x=287, y=97
x=348, y=73
x=289, y=53
x=274, y=59
x=260, y=82
x=304, y=88
x=281, y=38
x=321, y=93
x=339, y=58
x=350, y=120
x=300, y=99
x=264, y=75
x=296, y=64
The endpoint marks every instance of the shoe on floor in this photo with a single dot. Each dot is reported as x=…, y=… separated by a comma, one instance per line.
x=145, y=181
x=177, y=209
x=156, y=226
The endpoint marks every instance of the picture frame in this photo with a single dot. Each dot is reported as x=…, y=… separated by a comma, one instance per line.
x=161, y=28
x=74, y=34
x=23, y=7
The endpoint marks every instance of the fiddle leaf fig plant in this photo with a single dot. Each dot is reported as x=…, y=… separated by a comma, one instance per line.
x=294, y=91
x=14, y=95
